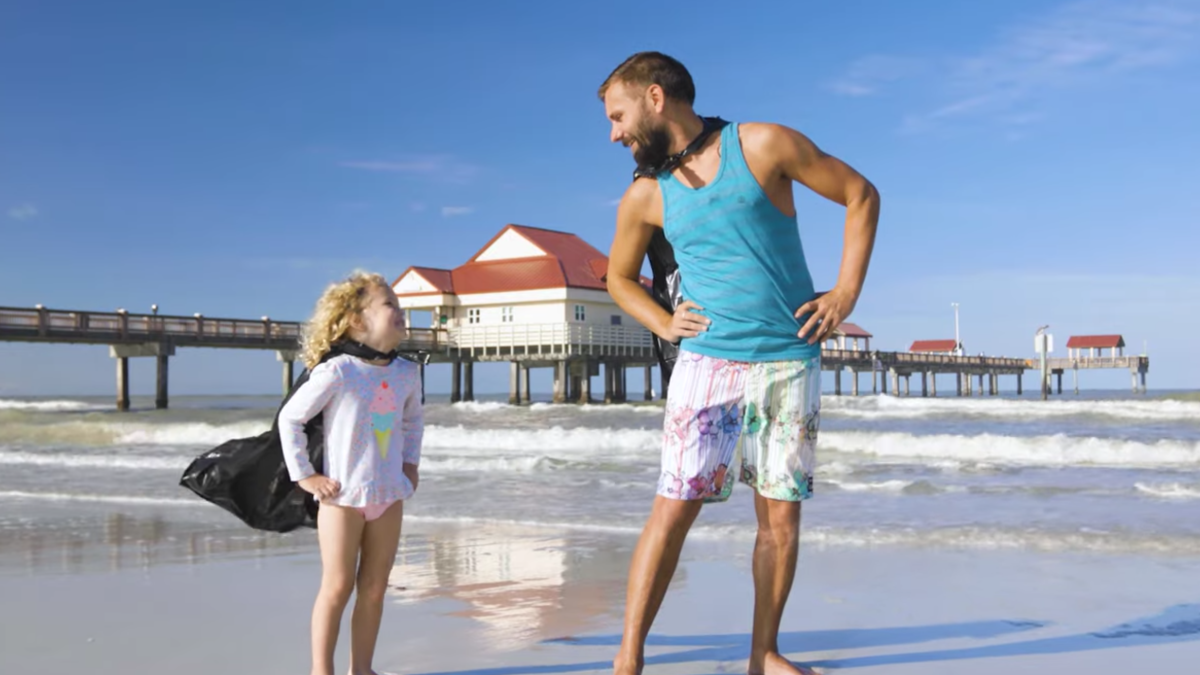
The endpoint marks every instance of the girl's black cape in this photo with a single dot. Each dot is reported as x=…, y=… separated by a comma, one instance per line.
x=665, y=290
x=248, y=477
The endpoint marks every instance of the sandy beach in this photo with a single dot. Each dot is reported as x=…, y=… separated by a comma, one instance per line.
x=506, y=600
x=926, y=266
x=946, y=536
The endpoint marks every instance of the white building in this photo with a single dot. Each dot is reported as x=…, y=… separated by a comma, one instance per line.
x=536, y=298
x=526, y=288
x=524, y=276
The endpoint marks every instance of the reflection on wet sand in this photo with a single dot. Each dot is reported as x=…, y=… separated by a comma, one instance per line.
x=518, y=584
x=118, y=541
x=521, y=584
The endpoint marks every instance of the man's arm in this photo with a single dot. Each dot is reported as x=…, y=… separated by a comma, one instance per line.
x=800, y=160
x=635, y=228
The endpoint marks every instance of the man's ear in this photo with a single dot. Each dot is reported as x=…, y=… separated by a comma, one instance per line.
x=656, y=98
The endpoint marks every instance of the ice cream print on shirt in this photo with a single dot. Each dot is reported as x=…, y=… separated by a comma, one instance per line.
x=383, y=417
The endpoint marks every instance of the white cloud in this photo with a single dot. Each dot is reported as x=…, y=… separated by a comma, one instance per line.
x=417, y=207
x=615, y=202
x=1079, y=44
x=451, y=211
x=23, y=212
x=445, y=167
x=867, y=75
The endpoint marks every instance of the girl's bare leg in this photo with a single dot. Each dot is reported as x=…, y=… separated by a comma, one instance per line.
x=379, y=542
x=339, y=532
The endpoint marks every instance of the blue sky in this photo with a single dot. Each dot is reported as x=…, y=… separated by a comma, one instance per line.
x=1037, y=160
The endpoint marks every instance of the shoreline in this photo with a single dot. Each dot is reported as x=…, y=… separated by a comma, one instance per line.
x=543, y=601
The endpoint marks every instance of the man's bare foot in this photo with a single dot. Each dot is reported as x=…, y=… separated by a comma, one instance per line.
x=627, y=666
x=774, y=664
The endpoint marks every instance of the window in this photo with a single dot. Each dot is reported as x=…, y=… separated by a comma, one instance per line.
x=579, y=315
x=472, y=316
x=506, y=314
x=616, y=319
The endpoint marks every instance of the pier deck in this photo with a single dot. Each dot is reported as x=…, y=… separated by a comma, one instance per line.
x=574, y=351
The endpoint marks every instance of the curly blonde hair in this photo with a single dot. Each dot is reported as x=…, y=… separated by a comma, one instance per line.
x=330, y=323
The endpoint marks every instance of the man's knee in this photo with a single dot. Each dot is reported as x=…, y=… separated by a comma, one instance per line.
x=779, y=522
x=675, y=513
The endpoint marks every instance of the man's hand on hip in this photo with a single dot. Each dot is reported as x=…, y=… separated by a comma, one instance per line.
x=828, y=311
x=686, y=323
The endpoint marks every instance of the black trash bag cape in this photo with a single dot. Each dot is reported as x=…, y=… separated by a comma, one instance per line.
x=665, y=286
x=248, y=477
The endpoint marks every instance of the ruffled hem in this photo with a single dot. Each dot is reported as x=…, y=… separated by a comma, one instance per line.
x=370, y=495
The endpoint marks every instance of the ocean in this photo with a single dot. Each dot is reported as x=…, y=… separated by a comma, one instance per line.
x=1097, y=473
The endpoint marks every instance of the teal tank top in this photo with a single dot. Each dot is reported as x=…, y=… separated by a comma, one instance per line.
x=740, y=258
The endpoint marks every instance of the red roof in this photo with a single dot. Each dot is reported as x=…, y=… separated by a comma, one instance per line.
x=519, y=274
x=441, y=279
x=570, y=262
x=853, y=330
x=932, y=346
x=1097, y=341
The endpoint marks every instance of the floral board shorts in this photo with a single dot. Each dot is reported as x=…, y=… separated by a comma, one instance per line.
x=768, y=412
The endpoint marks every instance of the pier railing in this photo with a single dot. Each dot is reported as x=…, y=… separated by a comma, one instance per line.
x=49, y=325
x=122, y=327
x=551, y=338
x=1097, y=362
x=917, y=361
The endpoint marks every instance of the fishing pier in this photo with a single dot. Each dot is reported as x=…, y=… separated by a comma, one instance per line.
x=576, y=353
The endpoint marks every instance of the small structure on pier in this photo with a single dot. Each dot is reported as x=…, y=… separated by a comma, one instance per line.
x=847, y=332
x=1086, y=352
x=947, y=347
x=534, y=298
x=1095, y=346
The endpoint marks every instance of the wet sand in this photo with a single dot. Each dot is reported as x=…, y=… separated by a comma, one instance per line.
x=147, y=598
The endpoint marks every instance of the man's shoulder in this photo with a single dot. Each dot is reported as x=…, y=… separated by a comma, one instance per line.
x=763, y=134
x=642, y=197
x=772, y=146
x=641, y=189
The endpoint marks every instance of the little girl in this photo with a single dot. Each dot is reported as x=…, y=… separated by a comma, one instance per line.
x=373, y=426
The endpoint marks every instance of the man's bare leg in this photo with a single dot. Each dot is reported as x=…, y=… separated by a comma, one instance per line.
x=650, y=572
x=775, y=551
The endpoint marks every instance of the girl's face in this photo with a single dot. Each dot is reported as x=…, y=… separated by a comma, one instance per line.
x=381, y=324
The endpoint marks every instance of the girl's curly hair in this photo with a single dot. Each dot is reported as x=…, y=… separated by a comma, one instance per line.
x=340, y=302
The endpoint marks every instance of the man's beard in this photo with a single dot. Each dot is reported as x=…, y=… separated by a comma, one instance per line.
x=654, y=147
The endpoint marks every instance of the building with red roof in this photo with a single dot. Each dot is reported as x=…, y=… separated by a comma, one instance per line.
x=524, y=276
x=847, y=336
x=933, y=347
x=1095, y=346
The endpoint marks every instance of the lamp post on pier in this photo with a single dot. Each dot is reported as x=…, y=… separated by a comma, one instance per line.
x=957, y=341
x=1043, y=343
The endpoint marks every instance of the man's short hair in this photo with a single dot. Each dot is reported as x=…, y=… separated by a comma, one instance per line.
x=646, y=68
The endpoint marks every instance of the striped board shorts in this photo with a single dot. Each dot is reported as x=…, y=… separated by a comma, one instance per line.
x=766, y=412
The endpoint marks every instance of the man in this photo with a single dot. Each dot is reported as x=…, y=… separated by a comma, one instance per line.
x=749, y=328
